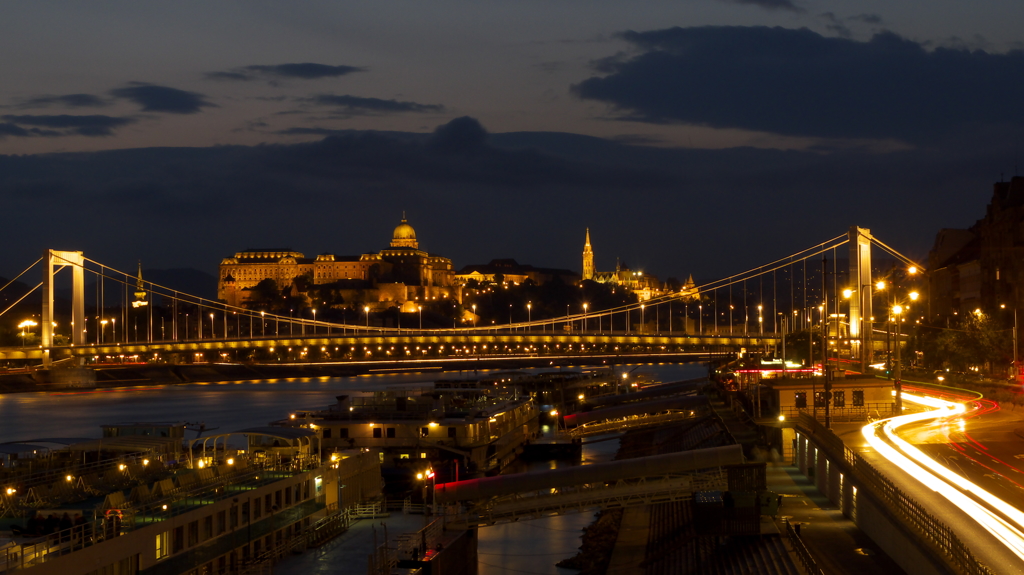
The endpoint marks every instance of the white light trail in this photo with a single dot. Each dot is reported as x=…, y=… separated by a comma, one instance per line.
x=942, y=480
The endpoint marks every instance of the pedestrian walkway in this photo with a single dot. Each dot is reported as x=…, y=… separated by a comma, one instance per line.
x=834, y=541
x=349, y=552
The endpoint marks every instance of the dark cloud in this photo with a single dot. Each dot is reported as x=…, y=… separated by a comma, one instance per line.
x=229, y=76
x=359, y=105
x=834, y=25
x=67, y=100
x=475, y=196
x=66, y=125
x=301, y=71
x=770, y=4
x=155, y=98
x=866, y=18
x=797, y=82
x=8, y=129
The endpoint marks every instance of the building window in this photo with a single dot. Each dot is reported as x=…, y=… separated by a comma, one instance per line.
x=222, y=522
x=162, y=549
x=177, y=539
x=207, y=527
x=819, y=399
x=838, y=399
x=193, y=533
x=257, y=508
x=451, y=432
x=391, y=432
x=342, y=433
x=800, y=399
x=377, y=433
x=424, y=431
x=327, y=433
x=858, y=398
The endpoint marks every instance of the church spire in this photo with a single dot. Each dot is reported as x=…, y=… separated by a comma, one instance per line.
x=588, y=259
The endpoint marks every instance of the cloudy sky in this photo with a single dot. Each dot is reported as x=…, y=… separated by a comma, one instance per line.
x=691, y=136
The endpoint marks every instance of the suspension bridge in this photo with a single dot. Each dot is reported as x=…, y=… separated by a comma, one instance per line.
x=126, y=318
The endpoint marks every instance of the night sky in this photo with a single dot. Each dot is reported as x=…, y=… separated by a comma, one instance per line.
x=690, y=136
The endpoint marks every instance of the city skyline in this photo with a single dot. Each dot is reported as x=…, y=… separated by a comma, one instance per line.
x=504, y=131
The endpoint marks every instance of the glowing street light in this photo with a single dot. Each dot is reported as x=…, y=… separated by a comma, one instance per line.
x=26, y=325
x=213, y=333
x=419, y=308
x=366, y=310
x=760, y=319
x=585, y=316
x=103, y=328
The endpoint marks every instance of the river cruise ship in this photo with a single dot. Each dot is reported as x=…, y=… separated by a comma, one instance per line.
x=478, y=426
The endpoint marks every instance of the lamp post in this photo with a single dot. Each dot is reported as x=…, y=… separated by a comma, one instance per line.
x=760, y=320
x=529, y=314
x=700, y=319
x=213, y=333
x=366, y=310
x=897, y=311
x=474, y=315
x=585, y=317
x=25, y=325
x=419, y=308
x=103, y=328
x=314, y=321
x=643, y=327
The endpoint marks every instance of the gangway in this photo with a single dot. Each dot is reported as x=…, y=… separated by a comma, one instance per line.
x=615, y=484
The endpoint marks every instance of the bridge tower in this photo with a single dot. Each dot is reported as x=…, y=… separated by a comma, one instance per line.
x=860, y=299
x=77, y=262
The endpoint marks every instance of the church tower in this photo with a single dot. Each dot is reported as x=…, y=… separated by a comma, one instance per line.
x=588, y=259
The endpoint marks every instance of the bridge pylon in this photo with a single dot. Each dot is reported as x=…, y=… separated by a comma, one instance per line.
x=860, y=299
x=60, y=259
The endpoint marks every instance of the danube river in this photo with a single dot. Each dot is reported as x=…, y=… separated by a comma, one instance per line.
x=506, y=549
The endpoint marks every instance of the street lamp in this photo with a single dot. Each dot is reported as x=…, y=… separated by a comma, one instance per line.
x=419, y=308
x=213, y=332
x=314, y=321
x=103, y=328
x=474, y=315
x=897, y=311
x=642, y=327
x=700, y=319
x=366, y=310
x=585, y=317
x=760, y=320
x=23, y=325
x=529, y=314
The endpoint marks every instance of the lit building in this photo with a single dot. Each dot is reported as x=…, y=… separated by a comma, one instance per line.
x=644, y=286
x=401, y=274
x=509, y=271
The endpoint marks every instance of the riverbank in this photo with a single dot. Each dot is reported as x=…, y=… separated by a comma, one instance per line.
x=136, y=375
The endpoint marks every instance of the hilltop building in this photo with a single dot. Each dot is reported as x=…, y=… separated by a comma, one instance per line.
x=981, y=267
x=401, y=274
x=644, y=286
x=511, y=272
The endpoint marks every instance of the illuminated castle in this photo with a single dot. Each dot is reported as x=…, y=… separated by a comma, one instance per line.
x=401, y=274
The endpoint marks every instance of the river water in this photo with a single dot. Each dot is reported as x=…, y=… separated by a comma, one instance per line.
x=506, y=549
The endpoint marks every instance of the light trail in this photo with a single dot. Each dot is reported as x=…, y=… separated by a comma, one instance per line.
x=955, y=488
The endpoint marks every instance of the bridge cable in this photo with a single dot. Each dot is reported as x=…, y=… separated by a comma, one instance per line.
x=21, y=274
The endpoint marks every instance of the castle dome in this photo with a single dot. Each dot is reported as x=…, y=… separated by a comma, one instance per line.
x=404, y=232
x=404, y=236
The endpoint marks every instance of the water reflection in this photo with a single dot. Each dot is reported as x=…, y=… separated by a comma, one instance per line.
x=230, y=406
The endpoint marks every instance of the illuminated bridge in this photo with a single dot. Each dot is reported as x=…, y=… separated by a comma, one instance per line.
x=130, y=319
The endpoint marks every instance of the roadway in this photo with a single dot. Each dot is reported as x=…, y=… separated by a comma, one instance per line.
x=981, y=446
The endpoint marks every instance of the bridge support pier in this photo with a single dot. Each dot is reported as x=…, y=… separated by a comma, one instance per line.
x=860, y=300
x=77, y=329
